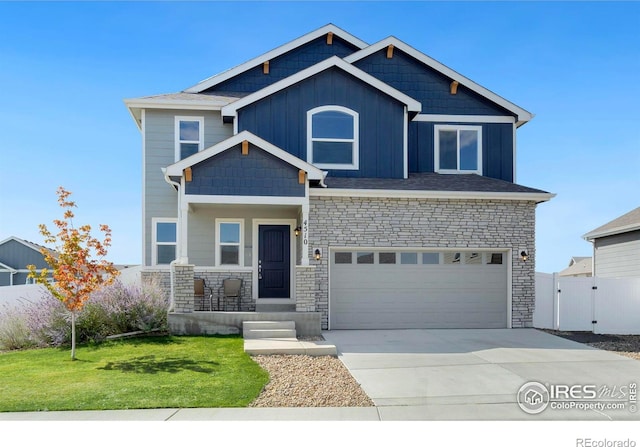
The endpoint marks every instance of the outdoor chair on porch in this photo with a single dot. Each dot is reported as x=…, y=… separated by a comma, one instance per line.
x=201, y=294
x=231, y=289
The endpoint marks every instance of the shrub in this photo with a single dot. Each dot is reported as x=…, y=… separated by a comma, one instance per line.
x=14, y=332
x=115, y=309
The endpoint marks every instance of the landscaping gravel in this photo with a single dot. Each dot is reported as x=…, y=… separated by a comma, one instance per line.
x=323, y=381
x=627, y=345
x=308, y=381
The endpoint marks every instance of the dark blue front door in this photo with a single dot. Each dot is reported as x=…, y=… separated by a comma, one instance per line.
x=274, y=268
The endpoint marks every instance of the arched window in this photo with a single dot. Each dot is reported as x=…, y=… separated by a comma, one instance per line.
x=332, y=137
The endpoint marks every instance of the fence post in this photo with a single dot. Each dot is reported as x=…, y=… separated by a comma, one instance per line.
x=594, y=290
x=556, y=302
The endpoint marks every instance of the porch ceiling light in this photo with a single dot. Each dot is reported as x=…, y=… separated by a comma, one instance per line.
x=524, y=255
x=297, y=231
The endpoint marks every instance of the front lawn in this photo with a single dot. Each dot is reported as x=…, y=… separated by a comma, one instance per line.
x=150, y=372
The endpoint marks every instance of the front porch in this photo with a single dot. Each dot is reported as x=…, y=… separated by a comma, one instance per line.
x=191, y=314
x=307, y=324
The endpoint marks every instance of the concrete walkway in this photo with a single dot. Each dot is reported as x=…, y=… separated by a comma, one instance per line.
x=476, y=374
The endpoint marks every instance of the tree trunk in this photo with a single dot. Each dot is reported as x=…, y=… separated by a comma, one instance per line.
x=73, y=335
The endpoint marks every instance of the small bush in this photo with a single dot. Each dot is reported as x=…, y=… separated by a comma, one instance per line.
x=112, y=310
x=14, y=332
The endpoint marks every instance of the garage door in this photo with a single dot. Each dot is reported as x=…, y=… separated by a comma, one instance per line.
x=387, y=289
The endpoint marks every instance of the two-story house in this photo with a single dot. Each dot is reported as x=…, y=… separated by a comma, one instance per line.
x=361, y=186
x=15, y=255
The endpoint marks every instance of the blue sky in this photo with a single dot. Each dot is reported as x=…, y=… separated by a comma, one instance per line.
x=65, y=69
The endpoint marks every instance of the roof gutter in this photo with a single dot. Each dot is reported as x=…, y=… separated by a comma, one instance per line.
x=624, y=229
x=421, y=194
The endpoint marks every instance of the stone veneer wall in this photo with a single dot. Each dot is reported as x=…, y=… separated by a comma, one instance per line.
x=305, y=288
x=214, y=280
x=430, y=223
x=184, y=300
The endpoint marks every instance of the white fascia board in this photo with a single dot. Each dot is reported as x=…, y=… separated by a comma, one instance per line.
x=221, y=77
x=523, y=115
x=135, y=106
x=313, y=173
x=437, y=118
x=333, y=61
x=408, y=194
x=4, y=267
x=174, y=104
x=624, y=229
x=244, y=200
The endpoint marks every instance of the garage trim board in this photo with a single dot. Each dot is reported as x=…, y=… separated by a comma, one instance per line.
x=418, y=287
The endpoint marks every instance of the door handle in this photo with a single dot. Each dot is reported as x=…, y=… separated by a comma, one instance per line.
x=259, y=269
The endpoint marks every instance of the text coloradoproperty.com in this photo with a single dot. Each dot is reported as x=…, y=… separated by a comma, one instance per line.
x=601, y=406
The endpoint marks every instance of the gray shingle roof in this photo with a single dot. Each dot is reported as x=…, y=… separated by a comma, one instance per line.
x=581, y=267
x=430, y=181
x=627, y=222
x=219, y=99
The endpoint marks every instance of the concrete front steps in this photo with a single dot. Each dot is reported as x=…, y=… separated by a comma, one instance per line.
x=279, y=337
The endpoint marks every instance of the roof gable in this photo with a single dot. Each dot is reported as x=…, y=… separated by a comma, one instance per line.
x=522, y=115
x=31, y=245
x=412, y=105
x=242, y=68
x=623, y=224
x=176, y=169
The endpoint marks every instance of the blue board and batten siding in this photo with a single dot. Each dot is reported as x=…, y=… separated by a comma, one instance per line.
x=432, y=89
x=427, y=85
x=285, y=65
x=18, y=255
x=281, y=119
x=497, y=148
x=256, y=174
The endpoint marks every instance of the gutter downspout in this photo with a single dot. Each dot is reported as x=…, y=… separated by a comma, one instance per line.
x=175, y=261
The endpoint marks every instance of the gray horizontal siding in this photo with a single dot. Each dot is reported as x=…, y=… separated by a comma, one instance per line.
x=618, y=256
x=256, y=174
x=160, y=200
x=202, y=232
x=281, y=119
x=426, y=85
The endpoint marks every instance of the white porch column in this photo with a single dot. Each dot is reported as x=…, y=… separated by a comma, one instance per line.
x=304, y=257
x=183, y=225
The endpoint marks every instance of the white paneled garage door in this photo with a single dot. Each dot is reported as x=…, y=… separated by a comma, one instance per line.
x=390, y=289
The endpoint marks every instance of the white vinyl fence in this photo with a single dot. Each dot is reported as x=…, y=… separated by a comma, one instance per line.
x=600, y=305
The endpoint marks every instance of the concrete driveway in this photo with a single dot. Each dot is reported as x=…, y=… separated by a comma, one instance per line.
x=477, y=374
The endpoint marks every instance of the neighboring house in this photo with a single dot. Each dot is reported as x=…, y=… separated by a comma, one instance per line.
x=369, y=186
x=616, y=247
x=15, y=255
x=579, y=266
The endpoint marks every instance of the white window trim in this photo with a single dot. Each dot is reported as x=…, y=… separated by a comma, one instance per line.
x=219, y=244
x=355, y=141
x=154, y=234
x=436, y=149
x=200, y=120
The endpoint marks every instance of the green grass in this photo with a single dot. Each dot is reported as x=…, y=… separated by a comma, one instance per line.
x=151, y=372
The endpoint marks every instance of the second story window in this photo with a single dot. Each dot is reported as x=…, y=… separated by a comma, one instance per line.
x=458, y=149
x=189, y=136
x=332, y=137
